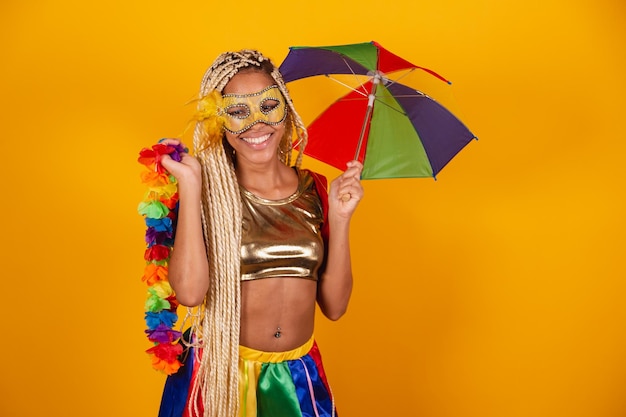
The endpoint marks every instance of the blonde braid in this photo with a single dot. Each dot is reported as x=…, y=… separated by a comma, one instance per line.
x=216, y=323
x=294, y=122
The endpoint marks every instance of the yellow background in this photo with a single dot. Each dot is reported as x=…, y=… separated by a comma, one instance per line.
x=496, y=291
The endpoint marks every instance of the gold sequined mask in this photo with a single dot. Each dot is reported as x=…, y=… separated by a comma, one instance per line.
x=242, y=111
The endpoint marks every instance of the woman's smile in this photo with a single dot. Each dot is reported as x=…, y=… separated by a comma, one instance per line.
x=253, y=139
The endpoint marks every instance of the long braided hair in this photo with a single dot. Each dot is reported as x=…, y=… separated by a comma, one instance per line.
x=215, y=324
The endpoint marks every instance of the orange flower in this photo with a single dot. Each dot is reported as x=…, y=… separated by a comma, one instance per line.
x=154, y=273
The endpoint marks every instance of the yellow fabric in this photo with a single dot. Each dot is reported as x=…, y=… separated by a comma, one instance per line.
x=249, y=354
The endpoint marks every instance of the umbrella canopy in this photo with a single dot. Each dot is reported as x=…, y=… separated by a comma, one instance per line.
x=397, y=131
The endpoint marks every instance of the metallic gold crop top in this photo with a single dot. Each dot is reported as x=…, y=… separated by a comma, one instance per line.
x=281, y=238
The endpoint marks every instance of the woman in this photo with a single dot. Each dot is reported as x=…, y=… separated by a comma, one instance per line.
x=249, y=251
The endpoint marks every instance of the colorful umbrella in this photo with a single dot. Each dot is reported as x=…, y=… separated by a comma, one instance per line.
x=395, y=130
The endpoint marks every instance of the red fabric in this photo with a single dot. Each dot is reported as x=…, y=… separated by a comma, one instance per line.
x=341, y=122
x=199, y=399
x=315, y=354
x=157, y=253
x=321, y=186
x=389, y=62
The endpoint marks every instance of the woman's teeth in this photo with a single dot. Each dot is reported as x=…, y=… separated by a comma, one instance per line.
x=256, y=141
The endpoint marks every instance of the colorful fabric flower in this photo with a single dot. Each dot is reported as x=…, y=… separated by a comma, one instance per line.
x=153, y=237
x=173, y=302
x=160, y=225
x=162, y=289
x=165, y=317
x=154, y=179
x=157, y=253
x=162, y=334
x=154, y=209
x=165, y=357
x=154, y=273
x=152, y=157
x=154, y=303
x=171, y=202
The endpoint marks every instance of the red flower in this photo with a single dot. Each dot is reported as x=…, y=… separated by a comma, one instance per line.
x=150, y=157
x=173, y=302
x=165, y=357
x=157, y=253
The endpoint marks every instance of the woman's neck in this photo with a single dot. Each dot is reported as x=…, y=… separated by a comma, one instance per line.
x=274, y=181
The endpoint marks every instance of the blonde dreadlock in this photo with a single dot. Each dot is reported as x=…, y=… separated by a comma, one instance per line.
x=216, y=322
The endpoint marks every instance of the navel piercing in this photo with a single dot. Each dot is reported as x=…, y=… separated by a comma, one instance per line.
x=278, y=333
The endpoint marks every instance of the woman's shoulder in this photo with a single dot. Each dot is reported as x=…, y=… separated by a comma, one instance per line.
x=307, y=175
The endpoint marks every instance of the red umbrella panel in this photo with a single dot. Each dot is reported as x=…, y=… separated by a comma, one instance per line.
x=397, y=131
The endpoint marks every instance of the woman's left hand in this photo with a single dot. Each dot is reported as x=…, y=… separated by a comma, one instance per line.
x=346, y=191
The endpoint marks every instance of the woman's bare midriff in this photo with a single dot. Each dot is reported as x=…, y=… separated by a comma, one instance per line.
x=277, y=314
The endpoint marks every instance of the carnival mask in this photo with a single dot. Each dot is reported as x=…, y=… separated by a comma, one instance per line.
x=242, y=111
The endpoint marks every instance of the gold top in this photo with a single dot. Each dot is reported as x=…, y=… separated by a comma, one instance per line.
x=281, y=238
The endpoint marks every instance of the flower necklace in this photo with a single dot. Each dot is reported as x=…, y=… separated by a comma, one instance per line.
x=159, y=208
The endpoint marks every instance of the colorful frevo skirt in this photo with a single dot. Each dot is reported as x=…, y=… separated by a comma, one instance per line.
x=271, y=384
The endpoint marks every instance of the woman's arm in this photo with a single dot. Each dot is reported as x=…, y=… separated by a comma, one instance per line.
x=188, y=270
x=335, y=286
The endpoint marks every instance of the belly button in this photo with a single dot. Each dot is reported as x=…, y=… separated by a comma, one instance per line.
x=278, y=333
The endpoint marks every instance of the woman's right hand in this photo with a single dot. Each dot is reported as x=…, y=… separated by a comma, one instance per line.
x=187, y=171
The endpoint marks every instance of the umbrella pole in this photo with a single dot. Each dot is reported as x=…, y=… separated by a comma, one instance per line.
x=370, y=107
x=368, y=113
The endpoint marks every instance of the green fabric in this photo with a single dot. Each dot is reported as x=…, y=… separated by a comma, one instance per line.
x=277, y=394
x=394, y=149
x=153, y=209
x=365, y=54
